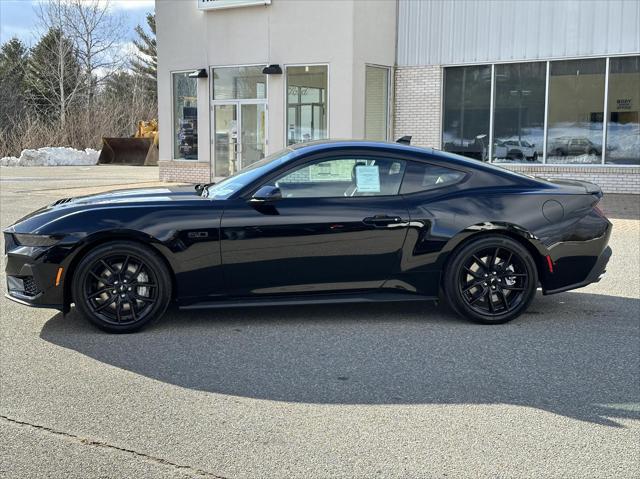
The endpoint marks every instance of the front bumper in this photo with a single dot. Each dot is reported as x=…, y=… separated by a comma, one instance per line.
x=31, y=278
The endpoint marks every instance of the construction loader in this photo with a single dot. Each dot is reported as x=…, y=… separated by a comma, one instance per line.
x=139, y=150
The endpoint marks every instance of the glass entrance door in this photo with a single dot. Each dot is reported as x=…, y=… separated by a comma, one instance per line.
x=239, y=135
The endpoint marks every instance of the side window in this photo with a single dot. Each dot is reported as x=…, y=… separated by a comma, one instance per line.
x=423, y=177
x=342, y=177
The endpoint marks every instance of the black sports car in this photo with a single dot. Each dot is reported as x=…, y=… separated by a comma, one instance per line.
x=330, y=222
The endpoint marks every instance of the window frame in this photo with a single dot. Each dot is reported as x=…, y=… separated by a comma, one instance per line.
x=172, y=74
x=286, y=97
x=247, y=192
x=603, y=157
x=334, y=158
x=465, y=176
x=388, y=131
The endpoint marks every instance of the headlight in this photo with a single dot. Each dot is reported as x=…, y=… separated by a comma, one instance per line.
x=35, y=240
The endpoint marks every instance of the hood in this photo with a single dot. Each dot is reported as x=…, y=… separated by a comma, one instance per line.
x=153, y=197
x=138, y=195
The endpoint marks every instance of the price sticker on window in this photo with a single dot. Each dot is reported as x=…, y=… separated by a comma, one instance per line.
x=368, y=178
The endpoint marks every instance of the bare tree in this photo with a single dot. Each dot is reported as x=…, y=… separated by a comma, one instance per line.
x=97, y=32
x=59, y=82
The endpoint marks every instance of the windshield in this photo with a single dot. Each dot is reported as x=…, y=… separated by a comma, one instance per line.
x=234, y=183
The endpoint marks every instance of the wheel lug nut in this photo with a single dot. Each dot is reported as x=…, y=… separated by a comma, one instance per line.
x=129, y=289
x=122, y=295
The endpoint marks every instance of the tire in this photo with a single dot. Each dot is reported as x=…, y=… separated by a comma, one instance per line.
x=473, y=292
x=121, y=287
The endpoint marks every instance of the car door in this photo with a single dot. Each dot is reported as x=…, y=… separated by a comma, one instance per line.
x=339, y=226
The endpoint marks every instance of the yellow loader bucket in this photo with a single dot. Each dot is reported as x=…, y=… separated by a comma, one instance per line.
x=128, y=151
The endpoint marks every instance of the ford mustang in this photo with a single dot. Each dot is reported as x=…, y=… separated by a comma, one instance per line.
x=326, y=222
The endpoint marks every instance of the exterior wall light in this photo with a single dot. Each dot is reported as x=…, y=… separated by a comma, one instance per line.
x=272, y=70
x=202, y=73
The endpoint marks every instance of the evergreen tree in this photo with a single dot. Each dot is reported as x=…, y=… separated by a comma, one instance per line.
x=145, y=65
x=13, y=58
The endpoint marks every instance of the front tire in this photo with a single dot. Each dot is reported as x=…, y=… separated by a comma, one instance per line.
x=121, y=287
x=491, y=280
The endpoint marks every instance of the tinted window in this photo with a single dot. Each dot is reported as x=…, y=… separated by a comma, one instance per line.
x=342, y=177
x=423, y=176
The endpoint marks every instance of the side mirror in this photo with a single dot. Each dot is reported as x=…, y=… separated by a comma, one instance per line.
x=266, y=194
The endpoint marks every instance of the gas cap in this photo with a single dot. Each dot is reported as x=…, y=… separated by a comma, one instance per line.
x=552, y=211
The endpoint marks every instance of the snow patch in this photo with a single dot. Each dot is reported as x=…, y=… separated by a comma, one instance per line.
x=53, y=156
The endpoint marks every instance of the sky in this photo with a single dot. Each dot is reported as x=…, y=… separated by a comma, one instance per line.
x=17, y=17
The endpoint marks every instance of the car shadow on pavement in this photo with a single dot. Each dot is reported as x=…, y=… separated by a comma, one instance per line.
x=573, y=354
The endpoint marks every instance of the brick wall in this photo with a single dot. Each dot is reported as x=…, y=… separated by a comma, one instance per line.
x=612, y=179
x=418, y=104
x=184, y=171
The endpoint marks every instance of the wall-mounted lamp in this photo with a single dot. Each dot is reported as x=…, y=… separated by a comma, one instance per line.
x=202, y=73
x=272, y=70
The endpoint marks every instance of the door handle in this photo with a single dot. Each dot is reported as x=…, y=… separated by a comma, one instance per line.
x=382, y=220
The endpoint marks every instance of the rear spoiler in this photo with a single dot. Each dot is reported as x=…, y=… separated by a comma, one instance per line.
x=586, y=186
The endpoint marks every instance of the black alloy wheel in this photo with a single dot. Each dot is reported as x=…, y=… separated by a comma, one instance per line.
x=121, y=287
x=491, y=280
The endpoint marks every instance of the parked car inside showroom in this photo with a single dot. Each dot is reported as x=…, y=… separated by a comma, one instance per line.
x=323, y=222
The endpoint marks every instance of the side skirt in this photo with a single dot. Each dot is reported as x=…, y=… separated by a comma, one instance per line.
x=375, y=297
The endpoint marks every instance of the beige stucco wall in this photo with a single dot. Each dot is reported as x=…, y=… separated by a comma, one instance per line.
x=346, y=34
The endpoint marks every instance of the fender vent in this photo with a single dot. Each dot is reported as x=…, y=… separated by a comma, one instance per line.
x=61, y=201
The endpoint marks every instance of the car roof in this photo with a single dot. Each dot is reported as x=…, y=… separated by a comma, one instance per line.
x=319, y=146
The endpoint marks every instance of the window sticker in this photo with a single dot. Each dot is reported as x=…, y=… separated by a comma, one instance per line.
x=368, y=178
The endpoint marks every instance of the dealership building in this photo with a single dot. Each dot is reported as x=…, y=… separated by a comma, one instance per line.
x=551, y=89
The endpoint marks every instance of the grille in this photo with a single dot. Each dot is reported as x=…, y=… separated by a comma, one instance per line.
x=30, y=288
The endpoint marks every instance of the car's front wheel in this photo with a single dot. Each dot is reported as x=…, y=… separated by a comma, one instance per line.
x=491, y=280
x=121, y=287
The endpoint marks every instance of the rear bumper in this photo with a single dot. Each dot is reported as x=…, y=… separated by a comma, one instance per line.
x=595, y=275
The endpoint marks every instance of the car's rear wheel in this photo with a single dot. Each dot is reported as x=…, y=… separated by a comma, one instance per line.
x=121, y=287
x=491, y=280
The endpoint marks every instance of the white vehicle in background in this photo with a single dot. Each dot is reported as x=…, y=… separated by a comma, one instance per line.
x=499, y=150
x=520, y=150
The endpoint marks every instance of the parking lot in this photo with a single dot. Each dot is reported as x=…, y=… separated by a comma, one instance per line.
x=386, y=390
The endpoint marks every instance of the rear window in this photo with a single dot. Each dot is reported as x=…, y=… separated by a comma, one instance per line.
x=423, y=177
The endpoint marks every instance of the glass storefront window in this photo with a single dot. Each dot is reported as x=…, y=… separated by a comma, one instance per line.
x=239, y=83
x=185, y=117
x=376, y=103
x=306, y=103
x=467, y=98
x=576, y=101
x=518, y=121
x=623, y=125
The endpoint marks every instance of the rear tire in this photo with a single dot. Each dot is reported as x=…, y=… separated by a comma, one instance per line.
x=491, y=280
x=121, y=287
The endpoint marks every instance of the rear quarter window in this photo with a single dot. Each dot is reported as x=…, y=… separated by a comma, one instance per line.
x=424, y=177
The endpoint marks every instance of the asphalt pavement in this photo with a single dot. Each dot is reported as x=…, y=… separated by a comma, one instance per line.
x=384, y=390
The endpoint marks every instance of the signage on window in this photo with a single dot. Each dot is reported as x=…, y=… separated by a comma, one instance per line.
x=219, y=4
